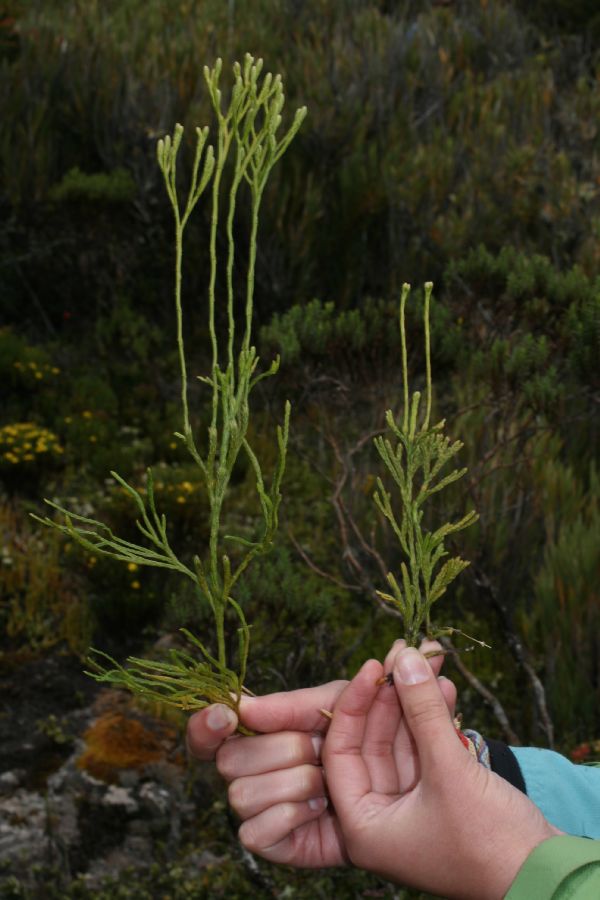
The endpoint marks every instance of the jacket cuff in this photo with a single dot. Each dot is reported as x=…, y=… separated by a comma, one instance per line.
x=559, y=867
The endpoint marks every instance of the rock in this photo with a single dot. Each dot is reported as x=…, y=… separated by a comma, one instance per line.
x=63, y=820
x=22, y=828
x=154, y=799
x=10, y=781
x=120, y=796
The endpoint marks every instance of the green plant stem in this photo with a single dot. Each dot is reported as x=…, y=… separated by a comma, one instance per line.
x=251, y=121
x=256, y=199
x=428, y=290
x=403, y=298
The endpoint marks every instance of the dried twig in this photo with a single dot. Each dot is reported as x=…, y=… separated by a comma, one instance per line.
x=518, y=651
x=489, y=698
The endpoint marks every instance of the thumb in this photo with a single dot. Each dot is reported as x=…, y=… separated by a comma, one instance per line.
x=208, y=728
x=425, y=709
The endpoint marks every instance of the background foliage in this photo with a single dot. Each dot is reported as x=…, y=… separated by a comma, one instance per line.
x=457, y=142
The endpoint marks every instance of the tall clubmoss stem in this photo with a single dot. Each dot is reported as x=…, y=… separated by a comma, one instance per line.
x=256, y=198
x=403, y=299
x=250, y=124
x=428, y=292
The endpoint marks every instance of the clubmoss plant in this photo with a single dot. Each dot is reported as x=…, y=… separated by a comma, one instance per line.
x=248, y=144
x=415, y=463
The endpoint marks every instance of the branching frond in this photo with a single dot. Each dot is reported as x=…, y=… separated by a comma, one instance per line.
x=248, y=143
x=415, y=465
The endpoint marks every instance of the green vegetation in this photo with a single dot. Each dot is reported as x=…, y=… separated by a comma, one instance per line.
x=454, y=142
x=247, y=131
x=415, y=464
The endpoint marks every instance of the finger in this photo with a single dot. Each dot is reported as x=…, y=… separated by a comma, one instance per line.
x=267, y=753
x=397, y=646
x=348, y=778
x=425, y=710
x=448, y=689
x=291, y=710
x=405, y=750
x=436, y=659
x=383, y=721
x=207, y=729
x=275, y=833
x=252, y=794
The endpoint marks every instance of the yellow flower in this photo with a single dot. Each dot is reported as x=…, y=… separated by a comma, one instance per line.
x=135, y=585
x=55, y=370
x=29, y=457
x=172, y=445
x=87, y=414
x=181, y=499
x=38, y=375
x=187, y=486
x=133, y=567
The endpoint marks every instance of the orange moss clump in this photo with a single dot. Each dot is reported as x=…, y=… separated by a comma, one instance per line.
x=116, y=742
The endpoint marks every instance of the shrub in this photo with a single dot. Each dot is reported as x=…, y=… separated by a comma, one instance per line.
x=28, y=454
x=99, y=188
x=561, y=620
x=41, y=603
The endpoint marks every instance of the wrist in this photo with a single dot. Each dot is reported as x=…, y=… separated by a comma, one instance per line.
x=515, y=857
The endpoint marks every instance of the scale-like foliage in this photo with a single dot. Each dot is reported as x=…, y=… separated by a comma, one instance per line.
x=415, y=462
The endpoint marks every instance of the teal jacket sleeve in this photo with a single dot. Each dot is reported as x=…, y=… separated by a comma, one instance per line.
x=561, y=868
x=567, y=794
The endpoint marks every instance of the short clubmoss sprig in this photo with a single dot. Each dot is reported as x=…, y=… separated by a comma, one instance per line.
x=415, y=463
x=248, y=145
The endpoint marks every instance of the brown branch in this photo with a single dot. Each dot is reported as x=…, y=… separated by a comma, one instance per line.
x=518, y=651
x=368, y=548
x=488, y=697
x=321, y=572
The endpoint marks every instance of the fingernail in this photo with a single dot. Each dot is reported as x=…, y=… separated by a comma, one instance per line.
x=318, y=803
x=219, y=717
x=317, y=742
x=412, y=668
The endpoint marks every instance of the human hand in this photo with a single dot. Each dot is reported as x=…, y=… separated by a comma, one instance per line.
x=449, y=825
x=276, y=780
x=276, y=783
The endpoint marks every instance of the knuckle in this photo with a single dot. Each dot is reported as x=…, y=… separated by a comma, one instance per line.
x=237, y=794
x=287, y=813
x=225, y=761
x=248, y=837
x=295, y=748
x=309, y=780
x=378, y=748
x=428, y=709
